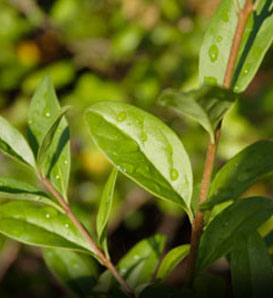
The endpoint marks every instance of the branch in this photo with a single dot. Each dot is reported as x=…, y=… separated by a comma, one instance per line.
x=198, y=222
x=106, y=262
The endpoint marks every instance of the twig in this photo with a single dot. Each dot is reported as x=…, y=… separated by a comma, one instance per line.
x=106, y=262
x=198, y=222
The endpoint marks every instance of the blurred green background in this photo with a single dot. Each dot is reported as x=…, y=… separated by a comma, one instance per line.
x=125, y=50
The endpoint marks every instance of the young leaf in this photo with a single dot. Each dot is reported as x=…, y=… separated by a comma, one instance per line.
x=105, y=208
x=40, y=225
x=16, y=190
x=144, y=149
x=216, y=46
x=44, y=110
x=240, y=172
x=138, y=265
x=218, y=238
x=13, y=144
x=206, y=105
x=251, y=267
x=77, y=272
x=48, y=138
x=171, y=260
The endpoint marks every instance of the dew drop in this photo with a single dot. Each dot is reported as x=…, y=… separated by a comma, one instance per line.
x=123, y=270
x=174, y=174
x=57, y=177
x=47, y=114
x=67, y=225
x=143, y=137
x=213, y=53
x=121, y=117
x=225, y=16
x=236, y=88
x=47, y=215
x=136, y=257
x=211, y=81
x=219, y=38
x=30, y=121
x=65, y=162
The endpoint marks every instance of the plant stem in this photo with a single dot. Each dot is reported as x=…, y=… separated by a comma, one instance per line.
x=198, y=222
x=106, y=262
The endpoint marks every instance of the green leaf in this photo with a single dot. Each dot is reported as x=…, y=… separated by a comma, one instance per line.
x=171, y=260
x=78, y=272
x=105, y=209
x=215, y=50
x=240, y=172
x=218, y=238
x=138, y=265
x=16, y=190
x=251, y=267
x=13, y=144
x=40, y=225
x=206, y=105
x=44, y=110
x=208, y=285
x=144, y=149
x=48, y=137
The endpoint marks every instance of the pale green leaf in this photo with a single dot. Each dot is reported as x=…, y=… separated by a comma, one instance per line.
x=171, y=260
x=206, y=105
x=44, y=109
x=13, y=144
x=215, y=50
x=144, y=149
x=40, y=225
x=17, y=190
x=77, y=272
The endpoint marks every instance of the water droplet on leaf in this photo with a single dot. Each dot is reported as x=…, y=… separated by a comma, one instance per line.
x=219, y=38
x=213, y=53
x=47, y=114
x=121, y=117
x=143, y=137
x=174, y=174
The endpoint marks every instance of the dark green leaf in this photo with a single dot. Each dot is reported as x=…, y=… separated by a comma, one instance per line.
x=218, y=237
x=17, y=190
x=165, y=291
x=208, y=285
x=138, y=265
x=48, y=138
x=44, y=109
x=105, y=208
x=216, y=46
x=206, y=105
x=78, y=272
x=240, y=172
x=40, y=225
x=251, y=267
x=13, y=144
x=171, y=260
x=144, y=149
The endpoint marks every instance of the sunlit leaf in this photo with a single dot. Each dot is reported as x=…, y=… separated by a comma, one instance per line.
x=13, y=144
x=206, y=105
x=144, y=149
x=44, y=109
x=216, y=46
x=77, y=272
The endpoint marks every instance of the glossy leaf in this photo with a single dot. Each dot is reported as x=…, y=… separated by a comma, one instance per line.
x=144, y=149
x=138, y=265
x=240, y=172
x=77, y=272
x=206, y=105
x=40, y=225
x=16, y=190
x=218, y=238
x=13, y=144
x=171, y=260
x=44, y=109
x=49, y=136
x=105, y=208
x=251, y=267
x=216, y=46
